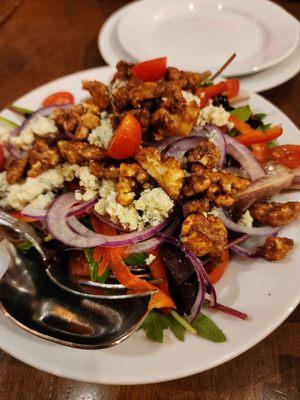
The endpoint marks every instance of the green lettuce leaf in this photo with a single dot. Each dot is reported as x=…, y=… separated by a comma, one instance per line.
x=154, y=326
x=242, y=113
x=136, y=259
x=207, y=329
x=177, y=329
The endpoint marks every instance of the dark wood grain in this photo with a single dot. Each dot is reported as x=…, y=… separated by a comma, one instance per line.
x=41, y=40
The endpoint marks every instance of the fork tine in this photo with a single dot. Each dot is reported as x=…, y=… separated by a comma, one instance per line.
x=113, y=286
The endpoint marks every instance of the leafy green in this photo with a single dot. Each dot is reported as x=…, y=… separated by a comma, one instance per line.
x=9, y=122
x=271, y=144
x=233, y=132
x=154, y=326
x=24, y=246
x=94, y=268
x=207, y=329
x=21, y=110
x=259, y=116
x=136, y=259
x=177, y=329
x=242, y=113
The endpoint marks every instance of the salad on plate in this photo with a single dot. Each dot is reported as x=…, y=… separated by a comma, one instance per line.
x=163, y=169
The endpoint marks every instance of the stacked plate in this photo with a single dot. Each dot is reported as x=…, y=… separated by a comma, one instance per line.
x=201, y=34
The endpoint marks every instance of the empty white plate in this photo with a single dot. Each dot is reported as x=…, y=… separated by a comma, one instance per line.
x=204, y=33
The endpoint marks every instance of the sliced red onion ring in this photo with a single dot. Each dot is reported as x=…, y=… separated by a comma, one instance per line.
x=65, y=229
x=217, y=138
x=40, y=215
x=244, y=157
x=241, y=251
x=251, y=231
x=166, y=142
x=106, y=219
x=181, y=147
x=230, y=311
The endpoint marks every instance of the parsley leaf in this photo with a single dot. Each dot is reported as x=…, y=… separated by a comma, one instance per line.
x=242, y=113
x=154, y=326
x=136, y=259
x=94, y=268
x=177, y=329
x=207, y=329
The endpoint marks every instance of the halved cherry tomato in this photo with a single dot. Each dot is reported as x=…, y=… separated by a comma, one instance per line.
x=220, y=264
x=127, y=138
x=157, y=268
x=1, y=157
x=233, y=88
x=288, y=155
x=59, y=98
x=78, y=264
x=206, y=93
x=151, y=70
x=260, y=152
x=21, y=217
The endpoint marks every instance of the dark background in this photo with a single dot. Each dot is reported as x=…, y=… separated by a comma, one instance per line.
x=41, y=40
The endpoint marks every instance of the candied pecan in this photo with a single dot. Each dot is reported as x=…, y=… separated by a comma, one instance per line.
x=172, y=98
x=99, y=93
x=120, y=99
x=206, y=153
x=144, y=91
x=195, y=206
x=102, y=171
x=67, y=118
x=275, y=214
x=89, y=151
x=144, y=117
x=41, y=158
x=195, y=184
x=176, y=124
x=130, y=175
x=167, y=172
x=224, y=200
x=276, y=248
x=123, y=71
x=204, y=235
x=69, y=151
x=186, y=80
x=15, y=169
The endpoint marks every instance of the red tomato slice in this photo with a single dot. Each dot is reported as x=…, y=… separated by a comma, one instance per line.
x=288, y=155
x=58, y=99
x=1, y=157
x=151, y=70
x=233, y=88
x=127, y=138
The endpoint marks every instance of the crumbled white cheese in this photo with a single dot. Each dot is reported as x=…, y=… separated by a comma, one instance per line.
x=20, y=194
x=189, y=97
x=3, y=183
x=40, y=126
x=118, y=84
x=155, y=205
x=213, y=115
x=246, y=219
x=149, y=260
x=102, y=135
x=68, y=170
x=4, y=134
x=89, y=183
x=43, y=201
x=151, y=207
x=128, y=217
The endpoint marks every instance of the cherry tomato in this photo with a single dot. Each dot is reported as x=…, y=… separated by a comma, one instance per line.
x=261, y=152
x=206, y=93
x=1, y=157
x=127, y=138
x=21, y=217
x=233, y=88
x=59, y=98
x=151, y=70
x=288, y=155
x=219, y=265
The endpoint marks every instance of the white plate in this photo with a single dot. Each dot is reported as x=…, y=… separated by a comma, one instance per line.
x=204, y=33
x=112, y=51
x=268, y=292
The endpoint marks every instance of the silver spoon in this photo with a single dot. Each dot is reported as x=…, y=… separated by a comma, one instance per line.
x=40, y=306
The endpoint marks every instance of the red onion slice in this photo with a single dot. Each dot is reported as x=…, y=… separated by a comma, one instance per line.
x=40, y=215
x=181, y=147
x=166, y=142
x=65, y=229
x=251, y=231
x=241, y=251
x=244, y=157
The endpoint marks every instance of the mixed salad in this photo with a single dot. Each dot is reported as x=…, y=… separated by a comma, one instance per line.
x=162, y=169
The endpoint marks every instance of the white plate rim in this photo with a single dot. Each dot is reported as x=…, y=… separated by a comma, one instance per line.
x=259, y=82
x=41, y=364
x=125, y=40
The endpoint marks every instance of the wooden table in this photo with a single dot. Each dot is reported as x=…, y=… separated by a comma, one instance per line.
x=41, y=40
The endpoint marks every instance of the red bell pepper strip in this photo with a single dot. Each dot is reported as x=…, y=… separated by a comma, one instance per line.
x=219, y=270
x=151, y=70
x=233, y=88
x=260, y=152
x=127, y=138
x=158, y=271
